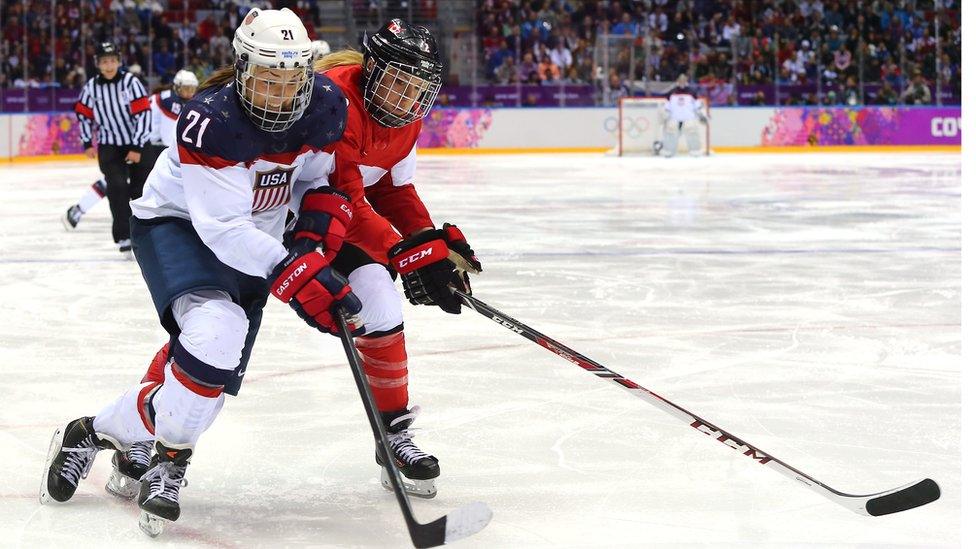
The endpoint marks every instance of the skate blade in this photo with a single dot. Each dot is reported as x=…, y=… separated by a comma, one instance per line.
x=67, y=224
x=52, y=452
x=151, y=525
x=425, y=489
x=122, y=486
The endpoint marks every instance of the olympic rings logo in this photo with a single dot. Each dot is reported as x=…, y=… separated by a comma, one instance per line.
x=633, y=126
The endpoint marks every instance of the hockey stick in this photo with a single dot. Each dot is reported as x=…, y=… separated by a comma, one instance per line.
x=905, y=497
x=459, y=523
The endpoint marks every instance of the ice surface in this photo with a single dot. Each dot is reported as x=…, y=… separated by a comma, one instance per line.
x=809, y=304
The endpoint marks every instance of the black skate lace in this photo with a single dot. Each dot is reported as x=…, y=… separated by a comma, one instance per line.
x=139, y=453
x=166, y=479
x=79, y=461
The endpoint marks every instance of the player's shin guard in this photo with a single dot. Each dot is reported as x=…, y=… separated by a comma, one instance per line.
x=92, y=196
x=130, y=464
x=189, y=399
x=185, y=405
x=385, y=363
x=130, y=420
x=384, y=359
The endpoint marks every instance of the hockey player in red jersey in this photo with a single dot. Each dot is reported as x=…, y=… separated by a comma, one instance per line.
x=391, y=86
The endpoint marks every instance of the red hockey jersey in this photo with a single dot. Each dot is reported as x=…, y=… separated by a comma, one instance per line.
x=375, y=166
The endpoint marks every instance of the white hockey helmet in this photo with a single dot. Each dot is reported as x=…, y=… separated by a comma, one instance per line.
x=320, y=48
x=185, y=84
x=185, y=78
x=273, y=68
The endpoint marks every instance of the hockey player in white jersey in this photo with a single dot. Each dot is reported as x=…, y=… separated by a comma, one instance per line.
x=256, y=141
x=683, y=116
x=166, y=106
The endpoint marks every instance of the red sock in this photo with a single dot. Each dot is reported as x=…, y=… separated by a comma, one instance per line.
x=385, y=363
x=155, y=371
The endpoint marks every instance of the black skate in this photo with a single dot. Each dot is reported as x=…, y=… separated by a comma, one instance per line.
x=70, y=457
x=71, y=218
x=418, y=468
x=125, y=246
x=127, y=468
x=159, y=494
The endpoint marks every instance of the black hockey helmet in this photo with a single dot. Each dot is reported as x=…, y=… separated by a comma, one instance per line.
x=401, y=73
x=106, y=49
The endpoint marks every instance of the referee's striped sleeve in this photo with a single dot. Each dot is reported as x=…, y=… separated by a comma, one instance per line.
x=86, y=116
x=139, y=107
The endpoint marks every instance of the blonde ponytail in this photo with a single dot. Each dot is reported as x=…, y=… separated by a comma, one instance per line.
x=339, y=58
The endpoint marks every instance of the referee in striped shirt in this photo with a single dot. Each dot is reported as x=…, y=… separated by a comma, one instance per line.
x=117, y=103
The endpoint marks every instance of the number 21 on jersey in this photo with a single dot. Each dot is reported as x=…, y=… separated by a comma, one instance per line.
x=193, y=117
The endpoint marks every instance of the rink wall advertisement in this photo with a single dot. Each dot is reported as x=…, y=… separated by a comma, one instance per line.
x=597, y=128
x=862, y=126
x=39, y=134
x=583, y=128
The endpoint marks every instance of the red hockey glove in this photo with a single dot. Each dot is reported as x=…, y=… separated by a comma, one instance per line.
x=319, y=295
x=433, y=262
x=323, y=217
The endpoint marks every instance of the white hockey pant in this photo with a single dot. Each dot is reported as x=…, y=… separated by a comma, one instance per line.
x=212, y=333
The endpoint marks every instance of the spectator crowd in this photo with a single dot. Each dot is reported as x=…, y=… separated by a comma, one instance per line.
x=52, y=44
x=810, y=45
x=808, y=51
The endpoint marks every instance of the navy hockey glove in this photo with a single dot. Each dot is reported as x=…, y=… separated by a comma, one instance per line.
x=433, y=262
x=321, y=296
x=323, y=218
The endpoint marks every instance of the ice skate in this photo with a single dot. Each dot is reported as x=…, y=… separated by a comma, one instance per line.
x=127, y=468
x=125, y=247
x=417, y=468
x=159, y=493
x=70, y=458
x=71, y=217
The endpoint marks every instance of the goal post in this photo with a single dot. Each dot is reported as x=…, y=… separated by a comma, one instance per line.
x=640, y=127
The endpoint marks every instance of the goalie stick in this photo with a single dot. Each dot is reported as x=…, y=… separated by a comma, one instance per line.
x=459, y=523
x=905, y=497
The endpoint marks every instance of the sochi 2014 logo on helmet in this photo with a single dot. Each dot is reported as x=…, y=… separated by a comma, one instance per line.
x=395, y=27
x=250, y=17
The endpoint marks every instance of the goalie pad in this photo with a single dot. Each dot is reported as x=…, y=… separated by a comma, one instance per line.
x=670, y=138
x=692, y=133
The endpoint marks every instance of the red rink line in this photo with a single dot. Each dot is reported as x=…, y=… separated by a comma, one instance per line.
x=186, y=533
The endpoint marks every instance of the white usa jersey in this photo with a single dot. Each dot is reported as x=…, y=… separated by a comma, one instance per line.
x=235, y=183
x=682, y=105
x=165, y=107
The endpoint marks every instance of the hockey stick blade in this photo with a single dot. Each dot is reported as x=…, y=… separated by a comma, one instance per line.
x=907, y=497
x=459, y=523
x=896, y=500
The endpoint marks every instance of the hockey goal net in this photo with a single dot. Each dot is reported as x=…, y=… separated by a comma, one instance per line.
x=640, y=127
